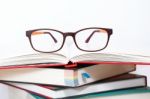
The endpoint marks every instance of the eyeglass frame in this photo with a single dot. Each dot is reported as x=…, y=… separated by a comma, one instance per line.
x=73, y=34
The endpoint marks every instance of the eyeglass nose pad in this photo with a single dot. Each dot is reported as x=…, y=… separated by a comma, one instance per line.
x=70, y=47
x=69, y=41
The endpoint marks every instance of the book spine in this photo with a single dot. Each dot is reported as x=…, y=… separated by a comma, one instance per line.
x=70, y=65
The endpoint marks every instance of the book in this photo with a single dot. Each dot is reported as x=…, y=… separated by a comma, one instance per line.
x=134, y=93
x=114, y=83
x=54, y=59
x=71, y=77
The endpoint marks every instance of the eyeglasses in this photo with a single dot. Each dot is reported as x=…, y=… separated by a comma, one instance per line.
x=50, y=40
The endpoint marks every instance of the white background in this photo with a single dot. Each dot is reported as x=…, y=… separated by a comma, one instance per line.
x=129, y=19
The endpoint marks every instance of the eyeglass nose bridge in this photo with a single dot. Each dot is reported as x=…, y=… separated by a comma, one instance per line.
x=69, y=34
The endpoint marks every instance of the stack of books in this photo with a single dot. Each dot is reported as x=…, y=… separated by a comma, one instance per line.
x=92, y=75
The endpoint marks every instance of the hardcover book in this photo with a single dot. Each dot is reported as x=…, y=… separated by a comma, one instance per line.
x=72, y=77
x=111, y=84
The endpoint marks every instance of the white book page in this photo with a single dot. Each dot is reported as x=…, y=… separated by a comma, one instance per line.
x=35, y=59
x=111, y=57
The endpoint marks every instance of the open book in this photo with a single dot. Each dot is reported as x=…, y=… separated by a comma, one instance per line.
x=54, y=59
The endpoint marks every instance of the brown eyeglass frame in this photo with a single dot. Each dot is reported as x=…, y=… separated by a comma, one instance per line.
x=73, y=34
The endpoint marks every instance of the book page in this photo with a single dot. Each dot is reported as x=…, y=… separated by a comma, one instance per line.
x=35, y=59
x=110, y=57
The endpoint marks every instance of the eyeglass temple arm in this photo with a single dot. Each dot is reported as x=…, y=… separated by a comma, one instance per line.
x=51, y=36
x=37, y=33
x=88, y=39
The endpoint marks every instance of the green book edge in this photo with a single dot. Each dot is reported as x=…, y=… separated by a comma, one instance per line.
x=108, y=93
x=37, y=97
